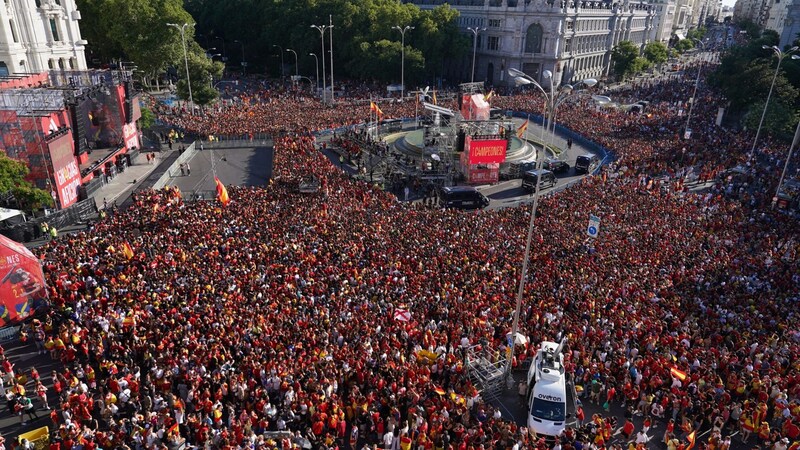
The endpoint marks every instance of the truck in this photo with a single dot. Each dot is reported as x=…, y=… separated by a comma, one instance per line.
x=547, y=391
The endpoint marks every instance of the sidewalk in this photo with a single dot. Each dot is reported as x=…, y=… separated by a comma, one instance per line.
x=121, y=187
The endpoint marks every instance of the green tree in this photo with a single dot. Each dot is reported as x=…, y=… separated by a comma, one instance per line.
x=203, y=71
x=656, y=52
x=627, y=61
x=147, y=120
x=697, y=34
x=684, y=45
x=12, y=179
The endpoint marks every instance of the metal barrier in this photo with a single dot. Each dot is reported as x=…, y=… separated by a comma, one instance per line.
x=9, y=333
x=174, y=168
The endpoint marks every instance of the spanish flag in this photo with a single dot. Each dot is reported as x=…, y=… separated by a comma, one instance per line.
x=222, y=193
x=434, y=98
x=489, y=95
x=127, y=250
x=677, y=373
x=174, y=429
x=374, y=108
x=439, y=390
x=522, y=129
x=691, y=439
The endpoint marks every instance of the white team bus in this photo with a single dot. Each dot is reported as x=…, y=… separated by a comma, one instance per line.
x=547, y=391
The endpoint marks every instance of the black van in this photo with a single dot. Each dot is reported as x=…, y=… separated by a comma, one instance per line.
x=586, y=163
x=462, y=197
x=546, y=179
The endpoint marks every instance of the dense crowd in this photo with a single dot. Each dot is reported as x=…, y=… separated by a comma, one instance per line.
x=270, y=322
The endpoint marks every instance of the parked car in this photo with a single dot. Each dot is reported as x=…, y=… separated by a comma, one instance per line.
x=462, y=197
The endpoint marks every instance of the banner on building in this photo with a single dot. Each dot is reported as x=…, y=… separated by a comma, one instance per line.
x=65, y=170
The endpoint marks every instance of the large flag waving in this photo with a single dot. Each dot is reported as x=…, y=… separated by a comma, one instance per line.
x=691, y=438
x=677, y=373
x=222, y=193
x=127, y=250
x=522, y=129
x=374, y=108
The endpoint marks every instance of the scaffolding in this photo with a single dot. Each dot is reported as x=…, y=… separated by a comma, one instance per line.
x=486, y=371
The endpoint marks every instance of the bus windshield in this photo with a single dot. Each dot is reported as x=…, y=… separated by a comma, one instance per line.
x=547, y=410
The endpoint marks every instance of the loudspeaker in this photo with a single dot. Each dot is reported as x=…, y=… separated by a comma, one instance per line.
x=460, y=140
x=128, y=102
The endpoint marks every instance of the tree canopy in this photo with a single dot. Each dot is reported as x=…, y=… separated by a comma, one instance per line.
x=656, y=52
x=12, y=179
x=627, y=61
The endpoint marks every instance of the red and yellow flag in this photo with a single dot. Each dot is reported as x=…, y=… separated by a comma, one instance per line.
x=434, y=98
x=374, y=108
x=677, y=373
x=222, y=193
x=522, y=129
x=489, y=95
x=691, y=438
x=127, y=250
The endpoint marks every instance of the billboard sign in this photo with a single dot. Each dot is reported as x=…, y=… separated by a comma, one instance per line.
x=490, y=151
x=65, y=170
x=22, y=286
x=131, y=135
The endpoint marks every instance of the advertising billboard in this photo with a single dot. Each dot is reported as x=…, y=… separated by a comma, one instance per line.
x=22, y=286
x=100, y=119
x=131, y=135
x=65, y=170
x=490, y=151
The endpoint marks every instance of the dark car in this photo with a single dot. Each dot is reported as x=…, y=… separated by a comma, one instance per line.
x=545, y=177
x=462, y=197
x=555, y=165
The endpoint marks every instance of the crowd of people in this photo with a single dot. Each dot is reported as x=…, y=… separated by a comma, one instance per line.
x=270, y=322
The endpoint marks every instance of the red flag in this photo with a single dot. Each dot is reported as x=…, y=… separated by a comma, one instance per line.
x=173, y=429
x=374, y=108
x=222, y=193
x=522, y=129
x=691, y=439
x=439, y=390
x=677, y=373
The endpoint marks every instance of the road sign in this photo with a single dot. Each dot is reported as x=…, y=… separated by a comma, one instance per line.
x=594, y=226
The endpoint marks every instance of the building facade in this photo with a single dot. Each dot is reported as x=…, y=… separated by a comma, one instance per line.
x=791, y=26
x=572, y=39
x=663, y=20
x=40, y=35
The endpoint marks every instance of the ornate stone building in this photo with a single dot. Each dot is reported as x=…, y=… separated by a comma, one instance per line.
x=40, y=35
x=571, y=38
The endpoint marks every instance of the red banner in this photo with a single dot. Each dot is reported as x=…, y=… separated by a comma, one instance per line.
x=22, y=287
x=491, y=151
x=65, y=170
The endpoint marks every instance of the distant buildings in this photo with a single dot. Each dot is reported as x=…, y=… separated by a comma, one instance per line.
x=782, y=16
x=573, y=39
x=40, y=35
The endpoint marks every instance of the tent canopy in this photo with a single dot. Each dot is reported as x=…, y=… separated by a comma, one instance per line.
x=11, y=216
x=22, y=285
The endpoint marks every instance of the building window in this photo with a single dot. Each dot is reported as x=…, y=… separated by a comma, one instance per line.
x=533, y=39
x=38, y=3
x=54, y=29
x=61, y=63
x=494, y=23
x=13, y=30
x=493, y=43
x=50, y=64
x=57, y=2
x=72, y=63
x=570, y=25
x=568, y=45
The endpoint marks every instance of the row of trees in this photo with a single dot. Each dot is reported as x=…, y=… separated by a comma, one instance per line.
x=364, y=44
x=627, y=60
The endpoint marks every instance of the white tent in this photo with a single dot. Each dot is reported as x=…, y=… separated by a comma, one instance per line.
x=11, y=216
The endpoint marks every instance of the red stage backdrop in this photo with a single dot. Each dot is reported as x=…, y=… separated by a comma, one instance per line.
x=490, y=151
x=65, y=170
x=22, y=286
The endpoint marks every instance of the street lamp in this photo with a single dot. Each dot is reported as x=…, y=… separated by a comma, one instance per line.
x=403, y=57
x=244, y=62
x=686, y=131
x=321, y=29
x=552, y=100
x=296, y=70
x=781, y=55
x=795, y=142
x=475, y=31
x=281, y=49
x=182, y=29
x=224, y=54
x=316, y=66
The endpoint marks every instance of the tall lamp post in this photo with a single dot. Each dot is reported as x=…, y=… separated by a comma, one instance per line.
x=224, y=54
x=687, y=130
x=244, y=62
x=781, y=55
x=282, y=64
x=795, y=142
x=475, y=31
x=553, y=99
x=403, y=57
x=321, y=29
x=182, y=29
x=330, y=27
x=316, y=66
x=296, y=70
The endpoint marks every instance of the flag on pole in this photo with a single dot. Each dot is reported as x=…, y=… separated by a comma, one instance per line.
x=677, y=373
x=691, y=438
x=222, y=193
x=127, y=250
x=434, y=98
x=374, y=108
x=522, y=129
x=489, y=95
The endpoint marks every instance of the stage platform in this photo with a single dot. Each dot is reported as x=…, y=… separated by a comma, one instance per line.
x=411, y=144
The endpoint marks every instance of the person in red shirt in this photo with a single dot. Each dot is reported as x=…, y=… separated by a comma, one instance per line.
x=628, y=429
